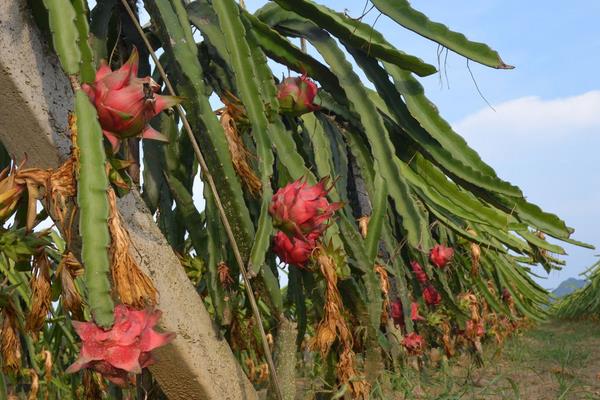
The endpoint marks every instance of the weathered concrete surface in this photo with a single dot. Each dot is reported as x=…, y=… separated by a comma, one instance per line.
x=34, y=93
x=35, y=99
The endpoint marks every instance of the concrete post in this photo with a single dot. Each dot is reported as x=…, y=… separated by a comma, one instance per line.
x=35, y=98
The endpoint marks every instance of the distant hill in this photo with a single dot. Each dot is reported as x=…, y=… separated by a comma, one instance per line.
x=569, y=286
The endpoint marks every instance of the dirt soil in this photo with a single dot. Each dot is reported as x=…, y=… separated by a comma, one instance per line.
x=556, y=360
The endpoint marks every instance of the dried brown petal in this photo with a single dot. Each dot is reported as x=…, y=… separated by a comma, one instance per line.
x=263, y=372
x=224, y=276
x=251, y=368
x=240, y=155
x=475, y=255
x=35, y=385
x=363, y=225
x=92, y=385
x=40, y=294
x=61, y=190
x=10, y=345
x=133, y=287
x=333, y=326
x=447, y=340
x=47, y=372
x=68, y=269
x=384, y=285
x=10, y=191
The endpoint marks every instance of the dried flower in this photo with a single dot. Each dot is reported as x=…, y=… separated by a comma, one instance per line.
x=40, y=294
x=133, y=287
x=240, y=156
x=68, y=269
x=10, y=345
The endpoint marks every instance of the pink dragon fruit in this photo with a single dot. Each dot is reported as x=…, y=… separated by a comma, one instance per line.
x=431, y=296
x=414, y=344
x=396, y=312
x=440, y=255
x=294, y=251
x=123, y=349
x=418, y=271
x=474, y=329
x=414, y=312
x=126, y=103
x=300, y=209
x=296, y=95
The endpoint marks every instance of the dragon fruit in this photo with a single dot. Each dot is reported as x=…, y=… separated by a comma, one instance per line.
x=414, y=344
x=431, y=296
x=396, y=312
x=300, y=209
x=474, y=329
x=440, y=255
x=414, y=312
x=418, y=271
x=296, y=95
x=122, y=350
x=294, y=251
x=126, y=103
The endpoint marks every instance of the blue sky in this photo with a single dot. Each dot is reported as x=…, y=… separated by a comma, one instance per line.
x=545, y=132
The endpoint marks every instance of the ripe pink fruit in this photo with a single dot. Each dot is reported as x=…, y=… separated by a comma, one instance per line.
x=431, y=296
x=300, y=209
x=396, y=312
x=413, y=343
x=418, y=271
x=126, y=103
x=296, y=95
x=474, y=329
x=123, y=349
x=294, y=251
x=414, y=312
x=440, y=255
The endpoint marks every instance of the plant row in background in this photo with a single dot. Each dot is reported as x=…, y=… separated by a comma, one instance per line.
x=582, y=303
x=368, y=226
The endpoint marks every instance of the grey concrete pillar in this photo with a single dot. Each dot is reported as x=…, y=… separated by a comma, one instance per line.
x=35, y=98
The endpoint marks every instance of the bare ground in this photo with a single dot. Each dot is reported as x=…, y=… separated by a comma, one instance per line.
x=556, y=360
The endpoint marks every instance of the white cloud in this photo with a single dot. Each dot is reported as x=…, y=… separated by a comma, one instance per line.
x=535, y=118
x=549, y=148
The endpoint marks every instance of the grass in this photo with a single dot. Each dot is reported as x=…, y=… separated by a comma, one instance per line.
x=556, y=360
